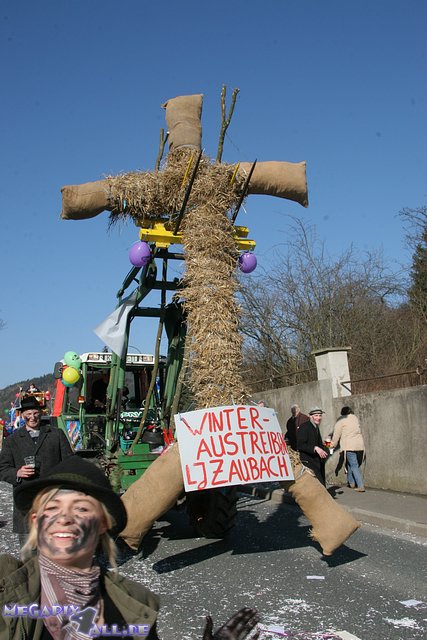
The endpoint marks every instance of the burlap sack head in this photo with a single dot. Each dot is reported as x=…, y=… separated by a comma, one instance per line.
x=183, y=115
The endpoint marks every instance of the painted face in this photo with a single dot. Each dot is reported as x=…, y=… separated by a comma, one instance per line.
x=32, y=418
x=69, y=527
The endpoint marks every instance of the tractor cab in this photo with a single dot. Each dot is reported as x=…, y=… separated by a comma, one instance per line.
x=99, y=413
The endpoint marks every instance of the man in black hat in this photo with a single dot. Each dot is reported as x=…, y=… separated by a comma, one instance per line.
x=313, y=452
x=30, y=452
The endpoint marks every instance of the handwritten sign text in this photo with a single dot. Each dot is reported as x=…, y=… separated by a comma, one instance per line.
x=231, y=445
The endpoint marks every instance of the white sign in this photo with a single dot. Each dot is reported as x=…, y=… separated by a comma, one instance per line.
x=223, y=446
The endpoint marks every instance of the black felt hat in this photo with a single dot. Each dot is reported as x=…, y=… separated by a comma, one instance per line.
x=76, y=474
x=29, y=402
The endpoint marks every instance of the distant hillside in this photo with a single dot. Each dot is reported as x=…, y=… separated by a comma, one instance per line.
x=8, y=394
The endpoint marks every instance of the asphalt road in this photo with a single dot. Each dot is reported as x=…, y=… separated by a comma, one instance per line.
x=270, y=562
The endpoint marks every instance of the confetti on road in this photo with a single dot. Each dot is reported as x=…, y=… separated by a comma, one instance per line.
x=280, y=632
x=403, y=622
x=412, y=603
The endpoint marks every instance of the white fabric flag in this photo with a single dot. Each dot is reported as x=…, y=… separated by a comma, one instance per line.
x=112, y=329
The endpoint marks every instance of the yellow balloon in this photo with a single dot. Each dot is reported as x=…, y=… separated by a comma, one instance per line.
x=70, y=375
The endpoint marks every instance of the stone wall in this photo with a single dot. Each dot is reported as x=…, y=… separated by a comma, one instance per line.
x=393, y=423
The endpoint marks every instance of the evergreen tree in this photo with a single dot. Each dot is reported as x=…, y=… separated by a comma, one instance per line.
x=418, y=289
x=416, y=220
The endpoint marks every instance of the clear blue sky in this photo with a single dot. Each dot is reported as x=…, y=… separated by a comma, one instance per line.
x=337, y=83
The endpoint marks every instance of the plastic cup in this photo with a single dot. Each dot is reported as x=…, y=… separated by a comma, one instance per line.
x=30, y=461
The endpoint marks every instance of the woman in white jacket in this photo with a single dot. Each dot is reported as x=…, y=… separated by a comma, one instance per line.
x=347, y=433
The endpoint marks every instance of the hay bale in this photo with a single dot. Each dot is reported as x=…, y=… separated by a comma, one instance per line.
x=141, y=195
x=215, y=350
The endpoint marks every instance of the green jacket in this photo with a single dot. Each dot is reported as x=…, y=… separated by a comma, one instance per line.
x=20, y=584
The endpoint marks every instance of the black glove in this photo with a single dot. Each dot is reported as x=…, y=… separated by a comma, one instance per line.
x=237, y=627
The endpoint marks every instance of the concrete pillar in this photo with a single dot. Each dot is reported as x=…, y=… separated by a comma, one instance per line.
x=332, y=364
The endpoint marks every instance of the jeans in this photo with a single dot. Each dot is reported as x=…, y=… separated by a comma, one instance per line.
x=353, y=471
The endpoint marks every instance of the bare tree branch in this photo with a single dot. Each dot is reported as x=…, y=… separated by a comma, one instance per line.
x=162, y=143
x=225, y=120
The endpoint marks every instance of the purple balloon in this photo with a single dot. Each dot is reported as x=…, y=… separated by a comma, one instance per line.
x=140, y=254
x=247, y=262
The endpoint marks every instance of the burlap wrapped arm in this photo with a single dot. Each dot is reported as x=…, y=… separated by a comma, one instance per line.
x=82, y=201
x=281, y=179
x=154, y=493
x=331, y=524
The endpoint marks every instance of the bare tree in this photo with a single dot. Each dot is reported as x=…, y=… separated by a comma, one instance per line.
x=415, y=221
x=309, y=301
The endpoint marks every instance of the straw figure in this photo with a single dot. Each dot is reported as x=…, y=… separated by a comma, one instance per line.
x=214, y=345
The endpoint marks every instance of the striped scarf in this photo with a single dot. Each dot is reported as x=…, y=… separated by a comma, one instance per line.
x=63, y=586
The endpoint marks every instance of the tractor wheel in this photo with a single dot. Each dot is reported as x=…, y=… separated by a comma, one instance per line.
x=212, y=512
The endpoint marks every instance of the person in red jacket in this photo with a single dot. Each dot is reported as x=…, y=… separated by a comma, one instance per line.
x=293, y=424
